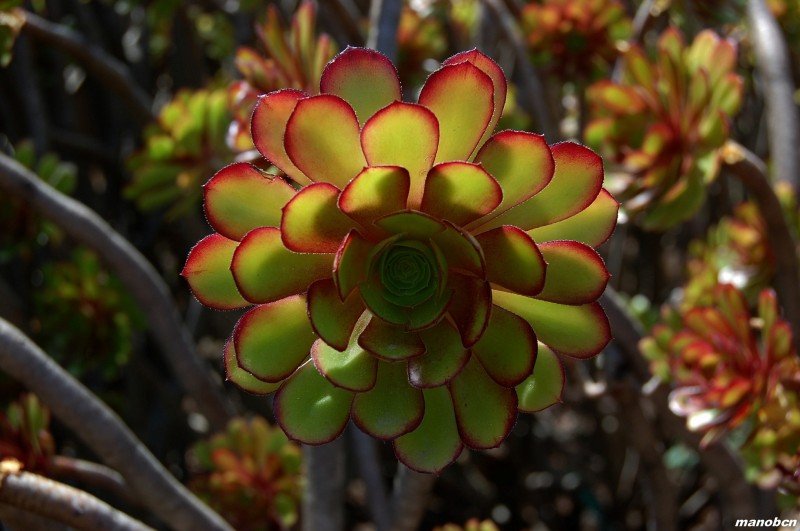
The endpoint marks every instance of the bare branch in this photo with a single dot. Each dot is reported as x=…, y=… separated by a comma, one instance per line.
x=412, y=491
x=772, y=62
x=103, y=431
x=63, y=503
x=108, y=69
x=93, y=474
x=531, y=94
x=323, y=500
x=139, y=277
x=752, y=172
x=15, y=519
x=384, y=17
x=369, y=468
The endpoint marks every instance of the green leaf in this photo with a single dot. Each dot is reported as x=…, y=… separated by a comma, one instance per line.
x=265, y=270
x=444, y=357
x=576, y=274
x=371, y=410
x=243, y=379
x=312, y=221
x=513, y=260
x=405, y=135
x=462, y=98
x=543, y=388
x=435, y=443
x=507, y=349
x=323, y=140
x=353, y=369
x=364, y=78
x=208, y=272
x=240, y=198
x=460, y=192
x=577, y=331
x=269, y=352
x=591, y=226
x=310, y=409
x=485, y=411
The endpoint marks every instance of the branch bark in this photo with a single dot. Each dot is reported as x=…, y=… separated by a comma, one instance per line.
x=752, y=172
x=369, y=468
x=138, y=276
x=412, y=492
x=108, y=69
x=532, y=95
x=93, y=474
x=63, y=503
x=384, y=17
x=772, y=62
x=103, y=431
x=323, y=502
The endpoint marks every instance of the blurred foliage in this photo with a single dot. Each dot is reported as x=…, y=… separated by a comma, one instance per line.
x=182, y=149
x=471, y=525
x=420, y=38
x=25, y=435
x=665, y=122
x=11, y=20
x=250, y=474
x=85, y=318
x=575, y=38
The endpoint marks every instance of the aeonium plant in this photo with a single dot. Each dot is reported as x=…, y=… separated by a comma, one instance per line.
x=417, y=273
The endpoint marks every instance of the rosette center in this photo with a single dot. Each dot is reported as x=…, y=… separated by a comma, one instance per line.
x=408, y=273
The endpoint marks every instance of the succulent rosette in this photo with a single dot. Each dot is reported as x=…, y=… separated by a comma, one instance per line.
x=665, y=122
x=426, y=277
x=722, y=368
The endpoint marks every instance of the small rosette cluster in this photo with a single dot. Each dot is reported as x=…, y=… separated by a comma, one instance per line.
x=665, y=122
x=414, y=272
x=723, y=370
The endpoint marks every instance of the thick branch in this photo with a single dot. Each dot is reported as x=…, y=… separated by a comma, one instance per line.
x=103, y=431
x=93, y=474
x=772, y=62
x=752, y=171
x=63, y=503
x=139, y=277
x=531, y=94
x=108, y=69
x=323, y=500
x=15, y=519
x=384, y=17
x=369, y=467
x=412, y=492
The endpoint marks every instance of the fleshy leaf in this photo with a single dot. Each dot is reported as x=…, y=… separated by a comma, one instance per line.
x=507, y=349
x=591, y=226
x=265, y=270
x=241, y=378
x=577, y=331
x=450, y=91
x=371, y=414
x=375, y=192
x=576, y=182
x=312, y=221
x=495, y=73
x=470, y=306
x=521, y=162
x=239, y=198
x=322, y=139
x=310, y=409
x=270, y=116
x=273, y=339
x=460, y=192
x=435, y=443
x=413, y=224
x=461, y=250
x=208, y=272
x=331, y=318
x=485, y=411
x=513, y=260
x=575, y=273
x=444, y=358
x=390, y=342
x=351, y=263
x=406, y=135
x=544, y=387
x=364, y=78
x=354, y=369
